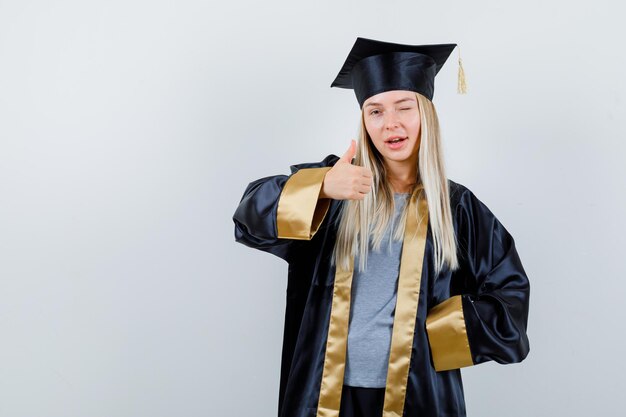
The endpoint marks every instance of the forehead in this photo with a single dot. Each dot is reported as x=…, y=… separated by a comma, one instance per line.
x=390, y=97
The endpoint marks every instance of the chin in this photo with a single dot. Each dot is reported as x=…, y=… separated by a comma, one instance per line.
x=398, y=157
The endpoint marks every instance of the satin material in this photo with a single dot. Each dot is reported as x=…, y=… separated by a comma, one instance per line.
x=447, y=335
x=403, y=327
x=394, y=71
x=336, y=344
x=491, y=281
x=300, y=211
x=374, y=66
x=407, y=301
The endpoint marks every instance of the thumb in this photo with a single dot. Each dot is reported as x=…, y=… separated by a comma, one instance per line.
x=347, y=157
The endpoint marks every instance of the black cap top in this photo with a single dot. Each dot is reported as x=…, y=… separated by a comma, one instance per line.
x=373, y=67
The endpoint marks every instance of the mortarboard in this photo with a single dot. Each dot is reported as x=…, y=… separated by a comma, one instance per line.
x=373, y=67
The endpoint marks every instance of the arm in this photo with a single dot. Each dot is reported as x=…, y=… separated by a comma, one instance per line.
x=488, y=320
x=277, y=214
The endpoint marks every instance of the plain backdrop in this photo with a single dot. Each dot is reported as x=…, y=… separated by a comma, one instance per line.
x=130, y=129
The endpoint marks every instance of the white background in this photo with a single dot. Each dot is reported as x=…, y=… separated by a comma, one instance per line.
x=129, y=130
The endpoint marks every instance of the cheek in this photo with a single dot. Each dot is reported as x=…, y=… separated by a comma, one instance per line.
x=374, y=124
x=373, y=130
x=414, y=126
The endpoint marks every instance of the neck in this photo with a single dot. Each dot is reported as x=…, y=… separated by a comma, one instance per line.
x=402, y=175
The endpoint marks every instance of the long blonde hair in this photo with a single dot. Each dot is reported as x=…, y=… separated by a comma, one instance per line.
x=376, y=210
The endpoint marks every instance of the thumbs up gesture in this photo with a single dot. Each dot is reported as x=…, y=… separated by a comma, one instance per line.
x=345, y=181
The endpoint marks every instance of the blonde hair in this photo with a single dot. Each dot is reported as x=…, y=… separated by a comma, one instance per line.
x=376, y=210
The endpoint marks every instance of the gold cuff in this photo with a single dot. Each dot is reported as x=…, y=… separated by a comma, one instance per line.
x=447, y=335
x=300, y=210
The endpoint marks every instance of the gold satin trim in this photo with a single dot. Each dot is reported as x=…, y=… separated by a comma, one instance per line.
x=336, y=343
x=403, y=328
x=406, y=308
x=447, y=335
x=300, y=210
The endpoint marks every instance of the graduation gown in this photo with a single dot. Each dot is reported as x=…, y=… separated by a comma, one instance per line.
x=442, y=323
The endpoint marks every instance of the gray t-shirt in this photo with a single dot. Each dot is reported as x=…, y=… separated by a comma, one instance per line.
x=372, y=310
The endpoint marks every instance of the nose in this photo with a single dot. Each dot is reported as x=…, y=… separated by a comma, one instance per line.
x=391, y=120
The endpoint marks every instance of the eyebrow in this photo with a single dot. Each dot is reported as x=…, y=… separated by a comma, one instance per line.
x=399, y=101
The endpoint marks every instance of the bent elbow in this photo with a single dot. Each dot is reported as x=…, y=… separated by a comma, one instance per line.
x=516, y=352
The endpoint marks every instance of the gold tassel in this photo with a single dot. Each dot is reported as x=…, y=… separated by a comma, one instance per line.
x=461, y=85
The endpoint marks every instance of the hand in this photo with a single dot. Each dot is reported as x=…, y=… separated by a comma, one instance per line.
x=345, y=181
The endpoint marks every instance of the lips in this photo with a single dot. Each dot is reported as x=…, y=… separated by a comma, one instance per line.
x=395, y=138
x=396, y=145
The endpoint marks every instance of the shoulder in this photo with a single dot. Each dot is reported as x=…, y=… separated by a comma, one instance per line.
x=466, y=205
x=458, y=193
x=472, y=217
x=328, y=161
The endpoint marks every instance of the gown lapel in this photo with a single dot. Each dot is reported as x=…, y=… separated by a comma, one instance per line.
x=407, y=300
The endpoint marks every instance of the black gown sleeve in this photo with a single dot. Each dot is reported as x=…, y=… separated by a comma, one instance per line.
x=280, y=213
x=487, y=318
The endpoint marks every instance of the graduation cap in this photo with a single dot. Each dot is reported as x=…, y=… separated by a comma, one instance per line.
x=373, y=67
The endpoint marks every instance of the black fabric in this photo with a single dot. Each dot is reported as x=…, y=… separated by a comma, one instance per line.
x=373, y=67
x=492, y=281
x=361, y=402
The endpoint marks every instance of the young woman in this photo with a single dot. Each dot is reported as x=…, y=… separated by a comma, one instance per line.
x=398, y=277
